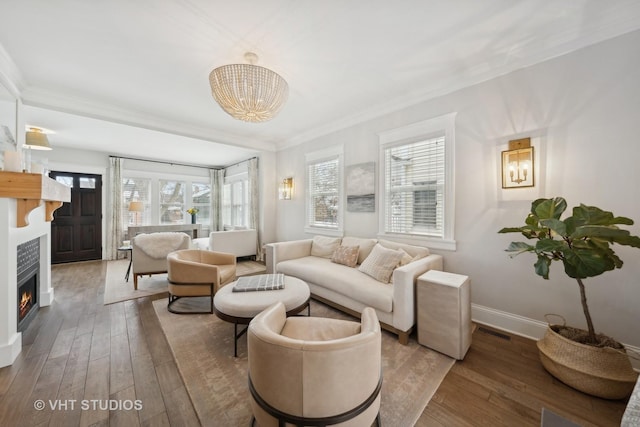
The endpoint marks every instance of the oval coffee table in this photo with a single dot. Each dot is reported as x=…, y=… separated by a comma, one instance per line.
x=240, y=307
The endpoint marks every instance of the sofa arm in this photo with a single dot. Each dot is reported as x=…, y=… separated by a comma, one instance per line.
x=404, y=279
x=282, y=251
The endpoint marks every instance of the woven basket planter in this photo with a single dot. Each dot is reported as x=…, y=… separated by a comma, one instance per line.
x=602, y=372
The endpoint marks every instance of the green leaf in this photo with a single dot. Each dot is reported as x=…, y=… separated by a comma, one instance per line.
x=609, y=233
x=542, y=266
x=519, y=247
x=549, y=208
x=550, y=245
x=511, y=230
x=591, y=215
x=532, y=220
x=556, y=225
x=582, y=263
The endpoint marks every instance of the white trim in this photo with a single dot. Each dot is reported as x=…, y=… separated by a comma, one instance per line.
x=319, y=231
x=10, y=350
x=315, y=157
x=398, y=136
x=524, y=327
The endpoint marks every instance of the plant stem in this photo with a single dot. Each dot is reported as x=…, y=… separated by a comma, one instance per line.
x=585, y=308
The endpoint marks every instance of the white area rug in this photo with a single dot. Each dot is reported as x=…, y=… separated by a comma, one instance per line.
x=117, y=289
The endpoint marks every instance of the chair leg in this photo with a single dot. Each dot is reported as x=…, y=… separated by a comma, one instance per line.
x=135, y=281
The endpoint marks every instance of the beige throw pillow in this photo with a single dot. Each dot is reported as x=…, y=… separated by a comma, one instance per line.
x=380, y=263
x=346, y=255
x=324, y=246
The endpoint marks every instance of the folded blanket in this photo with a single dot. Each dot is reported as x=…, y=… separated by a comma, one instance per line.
x=262, y=282
x=159, y=245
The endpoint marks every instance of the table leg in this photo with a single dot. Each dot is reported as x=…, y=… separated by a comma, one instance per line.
x=126, y=276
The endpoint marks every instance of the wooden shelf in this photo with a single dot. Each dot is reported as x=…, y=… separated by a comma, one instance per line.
x=30, y=190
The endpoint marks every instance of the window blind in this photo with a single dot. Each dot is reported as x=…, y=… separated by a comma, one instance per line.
x=323, y=182
x=414, y=187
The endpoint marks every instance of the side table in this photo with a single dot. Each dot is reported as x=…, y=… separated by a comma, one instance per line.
x=129, y=252
x=444, y=312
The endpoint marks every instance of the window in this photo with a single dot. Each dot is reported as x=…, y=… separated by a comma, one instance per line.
x=235, y=200
x=201, y=199
x=324, y=191
x=136, y=190
x=417, y=182
x=172, y=209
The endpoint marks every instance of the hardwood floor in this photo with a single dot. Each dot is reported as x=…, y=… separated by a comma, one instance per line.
x=80, y=352
x=501, y=382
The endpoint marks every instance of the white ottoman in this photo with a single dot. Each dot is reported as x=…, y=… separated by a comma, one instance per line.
x=240, y=308
x=444, y=312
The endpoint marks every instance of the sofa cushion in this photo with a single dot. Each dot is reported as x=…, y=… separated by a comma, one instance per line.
x=365, y=246
x=416, y=252
x=380, y=263
x=341, y=279
x=346, y=255
x=324, y=246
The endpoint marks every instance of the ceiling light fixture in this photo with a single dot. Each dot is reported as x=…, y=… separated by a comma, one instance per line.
x=248, y=92
x=36, y=139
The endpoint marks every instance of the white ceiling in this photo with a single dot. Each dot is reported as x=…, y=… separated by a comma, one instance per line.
x=145, y=63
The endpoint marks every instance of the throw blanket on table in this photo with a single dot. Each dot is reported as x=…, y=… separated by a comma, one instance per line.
x=158, y=245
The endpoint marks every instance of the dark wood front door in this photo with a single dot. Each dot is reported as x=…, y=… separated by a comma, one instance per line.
x=76, y=229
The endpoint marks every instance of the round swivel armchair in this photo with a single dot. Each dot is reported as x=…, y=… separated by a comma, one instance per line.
x=196, y=273
x=312, y=371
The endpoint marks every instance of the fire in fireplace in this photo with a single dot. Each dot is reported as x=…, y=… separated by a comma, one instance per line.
x=28, y=283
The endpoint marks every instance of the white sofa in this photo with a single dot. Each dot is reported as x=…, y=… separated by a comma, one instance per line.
x=241, y=243
x=349, y=289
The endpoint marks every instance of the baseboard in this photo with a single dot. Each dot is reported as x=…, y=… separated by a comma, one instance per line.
x=10, y=351
x=528, y=328
x=46, y=298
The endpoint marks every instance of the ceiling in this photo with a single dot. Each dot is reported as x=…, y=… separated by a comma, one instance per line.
x=143, y=65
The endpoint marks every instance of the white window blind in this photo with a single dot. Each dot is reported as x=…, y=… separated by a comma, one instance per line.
x=323, y=202
x=414, y=187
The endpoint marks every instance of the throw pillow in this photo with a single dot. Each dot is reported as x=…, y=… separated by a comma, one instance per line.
x=380, y=263
x=346, y=255
x=365, y=246
x=324, y=246
x=406, y=258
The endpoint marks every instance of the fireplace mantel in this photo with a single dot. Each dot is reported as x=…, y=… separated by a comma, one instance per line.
x=30, y=189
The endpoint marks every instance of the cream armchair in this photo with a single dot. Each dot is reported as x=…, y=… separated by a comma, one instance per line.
x=195, y=273
x=149, y=252
x=314, y=371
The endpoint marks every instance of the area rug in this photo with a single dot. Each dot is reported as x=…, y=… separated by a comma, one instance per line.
x=117, y=289
x=202, y=346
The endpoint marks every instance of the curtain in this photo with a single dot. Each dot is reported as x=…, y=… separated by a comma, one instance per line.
x=114, y=238
x=217, y=181
x=254, y=203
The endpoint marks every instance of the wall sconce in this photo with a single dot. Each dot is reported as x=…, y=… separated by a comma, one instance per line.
x=517, y=164
x=286, y=189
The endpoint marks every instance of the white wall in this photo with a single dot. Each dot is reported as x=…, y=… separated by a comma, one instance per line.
x=584, y=111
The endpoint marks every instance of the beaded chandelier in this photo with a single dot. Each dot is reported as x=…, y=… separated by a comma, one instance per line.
x=248, y=92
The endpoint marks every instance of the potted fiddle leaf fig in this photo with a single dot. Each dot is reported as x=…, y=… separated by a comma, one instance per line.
x=593, y=363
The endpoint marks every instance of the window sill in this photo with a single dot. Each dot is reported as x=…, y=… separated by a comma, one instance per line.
x=324, y=231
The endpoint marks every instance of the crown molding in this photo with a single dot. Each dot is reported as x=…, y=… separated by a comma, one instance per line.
x=10, y=76
x=38, y=97
x=518, y=58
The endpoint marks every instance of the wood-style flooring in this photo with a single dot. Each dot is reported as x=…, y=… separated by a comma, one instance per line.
x=79, y=351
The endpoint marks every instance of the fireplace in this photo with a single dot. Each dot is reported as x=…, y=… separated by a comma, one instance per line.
x=28, y=282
